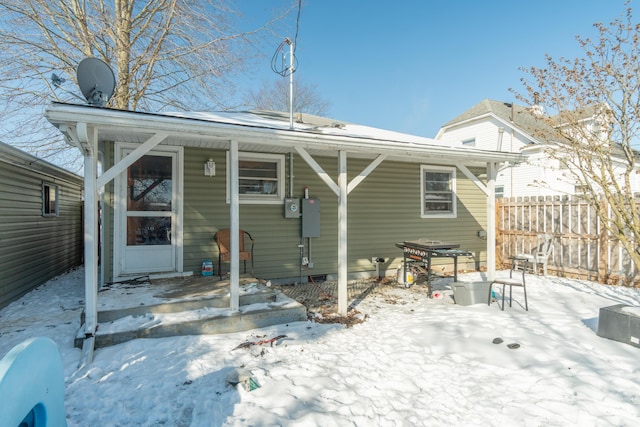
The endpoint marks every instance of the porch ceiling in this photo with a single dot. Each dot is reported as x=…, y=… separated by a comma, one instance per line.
x=200, y=131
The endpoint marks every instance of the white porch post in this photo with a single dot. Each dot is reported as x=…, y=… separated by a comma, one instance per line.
x=90, y=243
x=342, y=233
x=492, y=171
x=234, y=274
x=90, y=144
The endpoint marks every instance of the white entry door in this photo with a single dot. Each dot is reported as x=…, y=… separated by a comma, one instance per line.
x=147, y=215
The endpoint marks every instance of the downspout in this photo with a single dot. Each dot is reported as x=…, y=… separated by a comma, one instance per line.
x=291, y=175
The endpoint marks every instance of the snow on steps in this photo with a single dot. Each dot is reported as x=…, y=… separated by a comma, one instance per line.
x=209, y=315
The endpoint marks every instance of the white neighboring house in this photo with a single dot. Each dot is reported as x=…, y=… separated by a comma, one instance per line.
x=504, y=126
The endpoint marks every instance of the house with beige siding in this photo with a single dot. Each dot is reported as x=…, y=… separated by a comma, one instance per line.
x=40, y=222
x=169, y=182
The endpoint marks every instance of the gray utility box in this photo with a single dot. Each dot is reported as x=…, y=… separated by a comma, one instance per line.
x=619, y=324
x=468, y=293
x=310, y=218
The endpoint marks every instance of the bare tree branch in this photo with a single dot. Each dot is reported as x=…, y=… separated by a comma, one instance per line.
x=594, y=122
x=173, y=54
x=275, y=96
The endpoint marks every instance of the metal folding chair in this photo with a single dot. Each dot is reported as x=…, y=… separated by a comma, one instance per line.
x=511, y=282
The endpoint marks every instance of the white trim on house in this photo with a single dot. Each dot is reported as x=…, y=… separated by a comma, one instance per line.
x=261, y=199
x=120, y=254
x=451, y=213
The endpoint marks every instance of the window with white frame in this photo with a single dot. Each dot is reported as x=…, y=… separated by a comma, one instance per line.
x=260, y=178
x=438, y=191
x=499, y=191
x=50, y=196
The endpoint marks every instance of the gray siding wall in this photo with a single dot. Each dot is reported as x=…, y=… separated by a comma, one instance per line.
x=383, y=209
x=35, y=248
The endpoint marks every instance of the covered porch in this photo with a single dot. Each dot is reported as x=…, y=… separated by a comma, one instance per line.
x=90, y=128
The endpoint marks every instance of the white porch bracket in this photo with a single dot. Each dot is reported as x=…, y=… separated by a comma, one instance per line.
x=131, y=158
x=318, y=170
x=342, y=189
x=365, y=173
x=465, y=170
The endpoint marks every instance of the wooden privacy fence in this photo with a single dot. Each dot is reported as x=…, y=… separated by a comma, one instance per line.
x=581, y=247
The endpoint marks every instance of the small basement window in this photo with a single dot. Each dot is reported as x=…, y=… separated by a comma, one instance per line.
x=438, y=191
x=50, y=196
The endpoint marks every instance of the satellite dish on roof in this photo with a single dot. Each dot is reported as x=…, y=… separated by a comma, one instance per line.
x=96, y=81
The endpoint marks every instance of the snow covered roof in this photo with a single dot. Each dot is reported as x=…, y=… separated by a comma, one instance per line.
x=264, y=131
x=306, y=123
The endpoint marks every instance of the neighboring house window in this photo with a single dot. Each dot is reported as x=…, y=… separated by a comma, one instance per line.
x=499, y=190
x=50, y=195
x=471, y=142
x=260, y=178
x=438, y=188
x=580, y=190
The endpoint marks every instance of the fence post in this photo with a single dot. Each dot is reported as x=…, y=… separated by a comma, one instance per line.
x=499, y=233
x=603, y=243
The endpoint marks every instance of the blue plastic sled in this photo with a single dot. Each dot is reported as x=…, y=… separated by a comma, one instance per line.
x=32, y=385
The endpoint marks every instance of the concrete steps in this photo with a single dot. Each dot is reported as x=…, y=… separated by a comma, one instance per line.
x=206, y=314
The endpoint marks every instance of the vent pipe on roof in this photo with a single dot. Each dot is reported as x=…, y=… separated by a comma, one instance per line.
x=537, y=108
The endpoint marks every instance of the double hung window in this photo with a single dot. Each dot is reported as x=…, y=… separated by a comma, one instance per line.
x=438, y=191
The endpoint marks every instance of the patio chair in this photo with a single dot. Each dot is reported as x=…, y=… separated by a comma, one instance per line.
x=511, y=282
x=540, y=255
x=223, y=240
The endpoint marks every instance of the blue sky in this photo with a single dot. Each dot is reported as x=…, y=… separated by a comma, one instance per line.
x=412, y=65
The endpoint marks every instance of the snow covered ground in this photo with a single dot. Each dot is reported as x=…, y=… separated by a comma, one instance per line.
x=414, y=361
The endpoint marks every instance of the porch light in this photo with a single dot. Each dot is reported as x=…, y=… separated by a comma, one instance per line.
x=210, y=168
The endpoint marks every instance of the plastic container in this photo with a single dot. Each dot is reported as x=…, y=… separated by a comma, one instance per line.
x=468, y=293
x=207, y=267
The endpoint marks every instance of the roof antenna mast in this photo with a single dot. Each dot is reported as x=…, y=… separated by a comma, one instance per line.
x=291, y=70
x=277, y=66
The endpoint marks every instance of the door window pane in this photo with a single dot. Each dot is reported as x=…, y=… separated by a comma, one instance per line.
x=145, y=230
x=149, y=184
